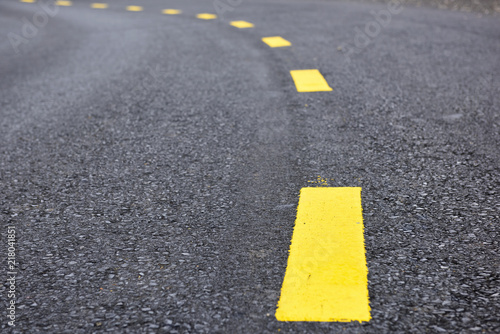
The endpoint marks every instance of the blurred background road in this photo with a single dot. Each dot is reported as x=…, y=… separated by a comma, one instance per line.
x=151, y=162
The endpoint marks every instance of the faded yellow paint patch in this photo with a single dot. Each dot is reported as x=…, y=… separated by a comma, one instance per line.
x=27, y=1
x=326, y=275
x=241, y=24
x=276, y=41
x=134, y=8
x=99, y=5
x=206, y=16
x=63, y=3
x=321, y=181
x=310, y=81
x=171, y=11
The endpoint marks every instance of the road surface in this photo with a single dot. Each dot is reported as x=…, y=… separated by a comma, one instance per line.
x=151, y=163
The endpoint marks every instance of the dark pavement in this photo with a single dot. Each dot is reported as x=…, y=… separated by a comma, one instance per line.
x=152, y=163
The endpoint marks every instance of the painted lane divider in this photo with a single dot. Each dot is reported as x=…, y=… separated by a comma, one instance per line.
x=28, y=1
x=241, y=24
x=310, y=81
x=206, y=16
x=99, y=5
x=326, y=275
x=134, y=8
x=63, y=3
x=276, y=41
x=171, y=11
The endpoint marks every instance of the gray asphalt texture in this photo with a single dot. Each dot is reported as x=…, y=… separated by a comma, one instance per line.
x=152, y=164
x=480, y=7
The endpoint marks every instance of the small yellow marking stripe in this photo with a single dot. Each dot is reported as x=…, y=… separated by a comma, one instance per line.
x=27, y=1
x=310, y=81
x=206, y=16
x=241, y=24
x=134, y=8
x=171, y=11
x=99, y=5
x=276, y=41
x=326, y=275
x=63, y=3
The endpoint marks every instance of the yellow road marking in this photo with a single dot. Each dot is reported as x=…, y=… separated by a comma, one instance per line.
x=63, y=3
x=276, y=41
x=241, y=24
x=326, y=275
x=27, y=1
x=310, y=81
x=206, y=16
x=99, y=5
x=171, y=11
x=134, y=8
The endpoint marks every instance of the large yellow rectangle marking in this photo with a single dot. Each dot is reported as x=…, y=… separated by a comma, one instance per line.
x=276, y=41
x=326, y=276
x=309, y=81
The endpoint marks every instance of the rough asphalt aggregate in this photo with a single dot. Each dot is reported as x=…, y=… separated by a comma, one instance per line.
x=152, y=164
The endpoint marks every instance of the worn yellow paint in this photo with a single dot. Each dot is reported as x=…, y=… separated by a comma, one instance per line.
x=63, y=3
x=171, y=11
x=326, y=275
x=310, y=81
x=321, y=181
x=206, y=16
x=241, y=24
x=99, y=5
x=276, y=41
x=134, y=8
x=27, y=1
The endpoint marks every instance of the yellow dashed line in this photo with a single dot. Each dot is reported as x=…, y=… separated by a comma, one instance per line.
x=206, y=16
x=27, y=1
x=241, y=24
x=326, y=275
x=276, y=41
x=99, y=5
x=171, y=11
x=63, y=3
x=134, y=8
x=310, y=81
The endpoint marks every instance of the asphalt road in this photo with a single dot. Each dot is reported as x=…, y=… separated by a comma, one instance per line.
x=151, y=164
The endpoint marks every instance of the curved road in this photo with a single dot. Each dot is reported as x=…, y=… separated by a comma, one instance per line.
x=151, y=163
